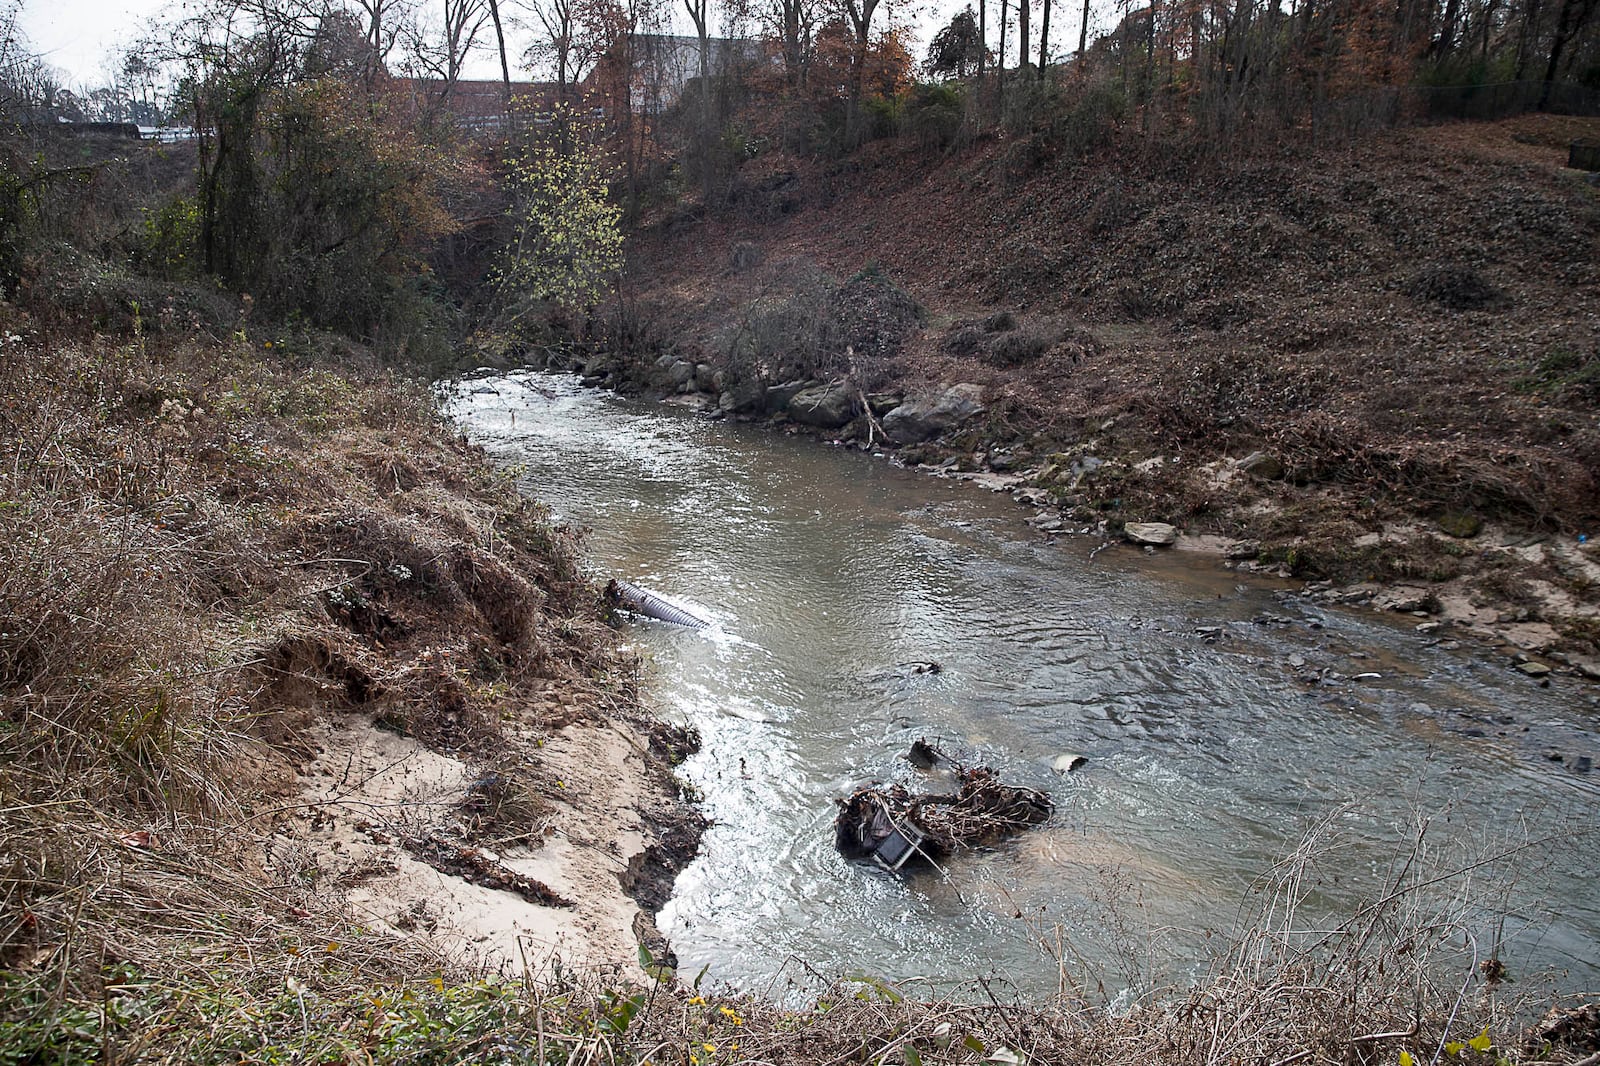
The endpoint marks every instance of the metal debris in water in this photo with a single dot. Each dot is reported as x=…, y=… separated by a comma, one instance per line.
x=630, y=597
x=891, y=825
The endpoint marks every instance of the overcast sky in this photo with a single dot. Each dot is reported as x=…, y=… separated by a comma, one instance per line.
x=78, y=36
x=75, y=36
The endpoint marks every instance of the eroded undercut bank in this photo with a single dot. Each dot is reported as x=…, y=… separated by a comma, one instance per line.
x=293, y=683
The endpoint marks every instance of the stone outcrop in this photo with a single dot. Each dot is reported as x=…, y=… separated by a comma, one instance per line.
x=1157, y=533
x=1262, y=465
x=924, y=417
x=830, y=406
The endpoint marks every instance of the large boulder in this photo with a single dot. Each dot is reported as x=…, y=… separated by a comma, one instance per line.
x=1156, y=533
x=881, y=403
x=924, y=417
x=779, y=395
x=743, y=397
x=1262, y=465
x=1461, y=524
x=824, y=406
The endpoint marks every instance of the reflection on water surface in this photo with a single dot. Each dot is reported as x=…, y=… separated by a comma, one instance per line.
x=830, y=574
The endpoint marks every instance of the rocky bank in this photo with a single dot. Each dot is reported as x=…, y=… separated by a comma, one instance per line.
x=1371, y=368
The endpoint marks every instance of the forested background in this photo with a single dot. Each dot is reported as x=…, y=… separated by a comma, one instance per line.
x=331, y=162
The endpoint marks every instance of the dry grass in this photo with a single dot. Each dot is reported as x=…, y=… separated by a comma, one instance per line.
x=1402, y=974
x=183, y=531
x=1312, y=306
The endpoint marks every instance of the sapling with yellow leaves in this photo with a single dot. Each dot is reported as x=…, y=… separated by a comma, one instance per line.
x=565, y=247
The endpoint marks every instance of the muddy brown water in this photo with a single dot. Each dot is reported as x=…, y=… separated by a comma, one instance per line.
x=1222, y=718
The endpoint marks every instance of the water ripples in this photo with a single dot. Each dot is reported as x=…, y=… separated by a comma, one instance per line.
x=832, y=578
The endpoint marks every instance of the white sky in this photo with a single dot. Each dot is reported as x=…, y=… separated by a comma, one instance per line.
x=78, y=37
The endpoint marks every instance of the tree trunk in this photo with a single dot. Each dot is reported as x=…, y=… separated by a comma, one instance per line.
x=372, y=60
x=1023, y=7
x=1574, y=14
x=1447, y=32
x=699, y=16
x=983, y=38
x=1044, y=38
x=1083, y=31
x=1000, y=63
x=791, y=42
x=1150, y=68
x=860, y=12
x=500, y=41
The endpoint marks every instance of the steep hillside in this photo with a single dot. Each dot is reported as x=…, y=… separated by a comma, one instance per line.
x=294, y=686
x=1407, y=328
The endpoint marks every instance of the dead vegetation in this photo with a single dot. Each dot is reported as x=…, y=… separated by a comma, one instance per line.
x=1398, y=323
x=1403, y=976
x=210, y=554
x=174, y=633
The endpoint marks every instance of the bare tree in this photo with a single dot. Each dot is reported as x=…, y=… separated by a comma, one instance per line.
x=798, y=22
x=983, y=38
x=860, y=14
x=1044, y=38
x=614, y=30
x=1574, y=16
x=791, y=23
x=27, y=86
x=1000, y=60
x=1023, y=7
x=439, y=51
x=383, y=19
x=500, y=43
x=571, y=36
x=699, y=14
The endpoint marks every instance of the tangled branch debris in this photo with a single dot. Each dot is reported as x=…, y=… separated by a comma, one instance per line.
x=892, y=824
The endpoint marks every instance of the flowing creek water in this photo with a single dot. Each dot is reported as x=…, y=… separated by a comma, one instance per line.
x=830, y=574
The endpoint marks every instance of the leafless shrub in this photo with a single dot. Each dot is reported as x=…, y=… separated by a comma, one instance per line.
x=1114, y=208
x=876, y=317
x=745, y=256
x=789, y=330
x=965, y=341
x=1019, y=347
x=1458, y=288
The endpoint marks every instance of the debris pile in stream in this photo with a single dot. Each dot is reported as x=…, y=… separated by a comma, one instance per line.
x=892, y=825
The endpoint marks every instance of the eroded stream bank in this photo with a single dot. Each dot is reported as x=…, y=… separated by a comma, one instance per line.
x=1219, y=719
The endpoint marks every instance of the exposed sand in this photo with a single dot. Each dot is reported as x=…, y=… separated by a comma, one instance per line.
x=368, y=790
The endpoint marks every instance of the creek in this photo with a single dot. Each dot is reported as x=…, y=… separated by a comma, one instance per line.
x=1221, y=718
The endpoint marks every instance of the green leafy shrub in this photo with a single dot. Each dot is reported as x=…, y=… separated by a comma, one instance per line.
x=170, y=236
x=1089, y=122
x=880, y=117
x=932, y=115
x=566, y=237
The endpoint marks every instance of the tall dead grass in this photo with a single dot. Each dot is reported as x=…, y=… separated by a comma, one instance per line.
x=178, y=525
x=1401, y=976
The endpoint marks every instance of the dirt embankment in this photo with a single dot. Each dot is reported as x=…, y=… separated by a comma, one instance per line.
x=1374, y=367
x=286, y=669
